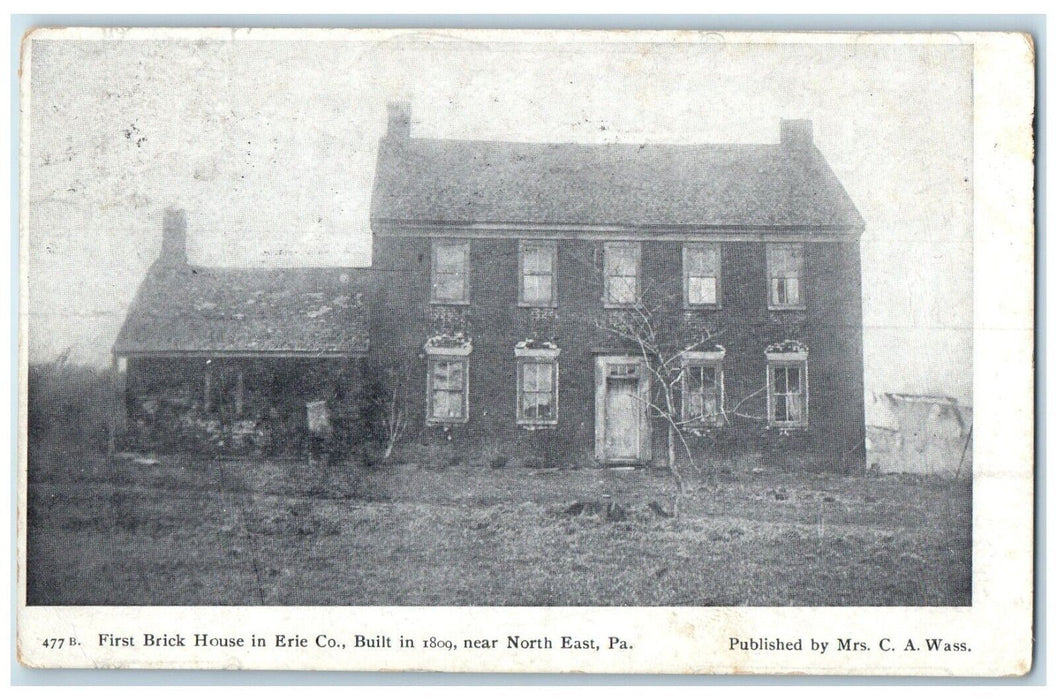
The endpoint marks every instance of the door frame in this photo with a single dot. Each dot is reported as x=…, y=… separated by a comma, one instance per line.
x=603, y=363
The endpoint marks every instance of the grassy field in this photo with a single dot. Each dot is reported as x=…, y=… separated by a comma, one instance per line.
x=196, y=531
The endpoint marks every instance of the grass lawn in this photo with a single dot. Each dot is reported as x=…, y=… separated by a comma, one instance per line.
x=196, y=531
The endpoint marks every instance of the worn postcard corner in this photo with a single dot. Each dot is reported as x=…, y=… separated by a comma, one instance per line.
x=534, y=351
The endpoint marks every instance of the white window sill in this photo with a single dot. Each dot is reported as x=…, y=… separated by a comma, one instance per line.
x=446, y=421
x=691, y=356
x=800, y=356
x=449, y=352
x=545, y=353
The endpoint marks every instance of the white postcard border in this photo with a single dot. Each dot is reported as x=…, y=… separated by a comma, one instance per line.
x=997, y=628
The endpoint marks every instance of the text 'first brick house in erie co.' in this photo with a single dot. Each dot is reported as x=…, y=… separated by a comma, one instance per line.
x=504, y=270
x=237, y=360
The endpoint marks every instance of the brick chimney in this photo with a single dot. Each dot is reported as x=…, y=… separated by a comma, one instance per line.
x=796, y=133
x=174, y=237
x=399, y=121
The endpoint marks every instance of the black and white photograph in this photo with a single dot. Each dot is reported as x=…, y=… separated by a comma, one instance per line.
x=450, y=319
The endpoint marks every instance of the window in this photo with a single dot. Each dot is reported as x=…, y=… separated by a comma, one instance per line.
x=450, y=279
x=703, y=393
x=702, y=387
x=787, y=393
x=448, y=385
x=701, y=265
x=785, y=271
x=537, y=384
x=623, y=370
x=538, y=403
x=622, y=273
x=536, y=262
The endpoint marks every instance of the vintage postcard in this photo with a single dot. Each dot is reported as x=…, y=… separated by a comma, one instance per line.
x=562, y=351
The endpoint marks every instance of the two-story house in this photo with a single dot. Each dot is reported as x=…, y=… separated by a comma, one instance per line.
x=507, y=275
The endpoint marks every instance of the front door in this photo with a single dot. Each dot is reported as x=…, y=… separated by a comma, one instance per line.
x=621, y=411
x=622, y=419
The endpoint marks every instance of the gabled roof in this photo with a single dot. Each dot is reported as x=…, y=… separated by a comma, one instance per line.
x=648, y=185
x=185, y=309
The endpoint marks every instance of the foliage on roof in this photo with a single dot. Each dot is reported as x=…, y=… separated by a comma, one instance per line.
x=185, y=308
x=786, y=346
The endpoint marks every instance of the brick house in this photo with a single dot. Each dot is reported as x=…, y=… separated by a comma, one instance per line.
x=501, y=270
x=237, y=360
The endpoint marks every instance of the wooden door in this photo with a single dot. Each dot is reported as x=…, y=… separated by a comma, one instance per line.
x=623, y=411
x=622, y=428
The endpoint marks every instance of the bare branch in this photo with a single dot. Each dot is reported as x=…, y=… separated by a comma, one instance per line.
x=740, y=403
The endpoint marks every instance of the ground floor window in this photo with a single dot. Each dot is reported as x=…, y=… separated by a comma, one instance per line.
x=702, y=386
x=787, y=393
x=448, y=396
x=537, y=383
x=703, y=393
x=538, y=402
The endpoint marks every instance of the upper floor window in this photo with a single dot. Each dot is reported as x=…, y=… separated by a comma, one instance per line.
x=785, y=272
x=701, y=279
x=537, y=264
x=450, y=272
x=622, y=268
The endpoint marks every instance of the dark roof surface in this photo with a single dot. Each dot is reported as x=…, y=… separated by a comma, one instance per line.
x=233, y=310
x=608, y=184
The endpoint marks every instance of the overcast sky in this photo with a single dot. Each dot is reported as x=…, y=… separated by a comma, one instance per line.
x=271, y=147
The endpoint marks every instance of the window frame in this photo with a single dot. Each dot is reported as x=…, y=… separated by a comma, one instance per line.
x=449, y=355
x=536, y=356
x=796, y=360
x=687, y=304
x=635, y=246
x=772, y=305
x=433, y=271
x=551, y=246
x=697, y=360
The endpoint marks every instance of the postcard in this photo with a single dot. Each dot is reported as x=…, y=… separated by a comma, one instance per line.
x=527, y=351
